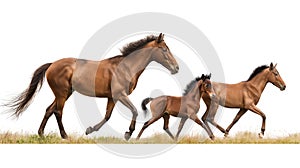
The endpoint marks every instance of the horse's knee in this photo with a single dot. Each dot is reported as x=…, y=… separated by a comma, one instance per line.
x=263, y=116
x=209, y=119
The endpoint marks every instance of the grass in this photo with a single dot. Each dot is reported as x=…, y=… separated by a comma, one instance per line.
x=53, y=138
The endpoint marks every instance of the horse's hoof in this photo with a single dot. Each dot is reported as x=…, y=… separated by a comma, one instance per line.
x=88, y=130
x=41, y=135
x=225, y=135
x=261, y=135
x=64, y=136
x=127, y=136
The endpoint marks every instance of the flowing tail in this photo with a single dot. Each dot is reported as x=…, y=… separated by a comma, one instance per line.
x=144, y=103
x=20, y=103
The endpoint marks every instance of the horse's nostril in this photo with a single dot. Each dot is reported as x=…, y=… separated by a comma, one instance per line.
x=177, y=67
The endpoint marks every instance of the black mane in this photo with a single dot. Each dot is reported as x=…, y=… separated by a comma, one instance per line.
x=191, y=85
x=129, y=48
x=257, y=71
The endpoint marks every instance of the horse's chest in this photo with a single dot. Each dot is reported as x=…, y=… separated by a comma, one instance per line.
x=251, y=98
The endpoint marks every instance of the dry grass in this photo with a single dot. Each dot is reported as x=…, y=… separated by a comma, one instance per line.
x=52, y=138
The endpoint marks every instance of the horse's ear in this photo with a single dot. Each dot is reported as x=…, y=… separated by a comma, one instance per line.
x=160, y=38
x=209, y=76
x=271, y=66
x=275, y=66
x=202, y=77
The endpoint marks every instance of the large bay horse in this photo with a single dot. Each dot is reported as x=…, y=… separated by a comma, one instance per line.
x=114, y=78
x=244, y=95
x=184, y=107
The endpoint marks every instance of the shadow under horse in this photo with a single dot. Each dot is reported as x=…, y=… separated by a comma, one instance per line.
x=113, y=78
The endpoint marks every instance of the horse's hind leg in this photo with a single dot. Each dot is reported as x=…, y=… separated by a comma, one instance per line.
x=58, y=115
x=236, y=119
x=109, y=108
x=166, y=125
x=60, y=103
x=147, y=123
x=49, y=111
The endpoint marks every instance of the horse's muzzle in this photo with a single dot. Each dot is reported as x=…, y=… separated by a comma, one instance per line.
x=282, y=88
x=175, y=69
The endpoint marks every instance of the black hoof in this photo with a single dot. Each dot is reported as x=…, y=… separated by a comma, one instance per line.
x=127, y=135
x=41, y=135
x=65, y=136
x=88, y=130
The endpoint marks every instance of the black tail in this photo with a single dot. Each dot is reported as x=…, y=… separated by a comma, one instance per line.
x=144, y=103
x=20, y=103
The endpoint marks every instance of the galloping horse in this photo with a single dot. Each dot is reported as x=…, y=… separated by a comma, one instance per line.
x=185, y=107
x=114, y=78
x=244, y=95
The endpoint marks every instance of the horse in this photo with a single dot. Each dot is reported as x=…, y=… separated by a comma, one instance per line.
x=184, y=107
x=244, y=95
x=113, y=78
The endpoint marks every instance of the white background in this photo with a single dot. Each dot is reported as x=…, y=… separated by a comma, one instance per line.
x=244, y=34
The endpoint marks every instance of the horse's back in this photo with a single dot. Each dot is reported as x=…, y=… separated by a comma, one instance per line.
x=229, y=95
x=93, y=78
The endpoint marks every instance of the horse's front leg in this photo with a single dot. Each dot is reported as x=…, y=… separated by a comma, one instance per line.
x=182, y=121
x=256, y=110
x=125, y=100
x=109, y=108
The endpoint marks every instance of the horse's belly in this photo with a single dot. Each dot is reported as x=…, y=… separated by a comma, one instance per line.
x=91, y=89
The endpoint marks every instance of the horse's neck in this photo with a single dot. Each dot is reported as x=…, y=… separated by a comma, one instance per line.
x=194, y=93
x=259, y=82
x=138, y=60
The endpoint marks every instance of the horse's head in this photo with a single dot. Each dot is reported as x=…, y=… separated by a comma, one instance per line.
x=163, y=55
x=206, y=86
x=275, y=77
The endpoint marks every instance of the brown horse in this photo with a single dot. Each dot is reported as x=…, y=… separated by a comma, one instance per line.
x=244, y=95
x=114, y=78
x=184, y=107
